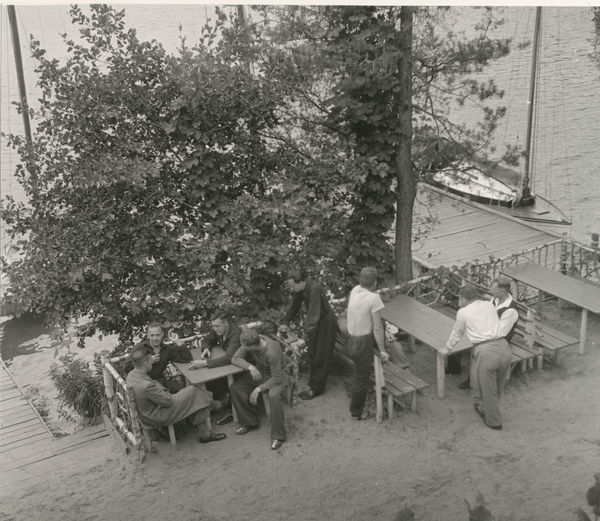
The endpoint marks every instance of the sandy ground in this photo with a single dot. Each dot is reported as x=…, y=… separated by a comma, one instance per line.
x=332, y=468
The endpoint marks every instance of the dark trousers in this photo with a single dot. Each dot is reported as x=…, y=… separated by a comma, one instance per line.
x=454, y=365
x=360, y=349
x=320, y=352
x=240, y=392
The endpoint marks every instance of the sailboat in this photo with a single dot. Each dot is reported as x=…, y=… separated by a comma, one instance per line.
x=503, y=188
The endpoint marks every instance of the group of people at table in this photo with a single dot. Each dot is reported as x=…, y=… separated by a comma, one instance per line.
x=162, y=401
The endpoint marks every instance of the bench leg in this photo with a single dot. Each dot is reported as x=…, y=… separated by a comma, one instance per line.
x=583, y=333
x=524, y=366
x=378, y=386
x=413, y=401
x=540, y=361
x=172, y=435
x=557, y=357
x=390, y=406
x=441, y=374
x=147, y=441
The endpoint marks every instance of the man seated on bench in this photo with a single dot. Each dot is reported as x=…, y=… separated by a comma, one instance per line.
x=267, y=377
x=479, y=320
x=163, y=355
x=157, y=407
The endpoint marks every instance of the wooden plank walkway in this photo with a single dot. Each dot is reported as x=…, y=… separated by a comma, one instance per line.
x=29, y=453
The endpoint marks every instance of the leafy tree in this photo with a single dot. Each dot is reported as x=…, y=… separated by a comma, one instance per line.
x=154, y=188
x=369, y=81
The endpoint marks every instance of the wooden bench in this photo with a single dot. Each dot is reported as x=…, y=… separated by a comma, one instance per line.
x=394, y=382
x=389, y=379
x=523, y=354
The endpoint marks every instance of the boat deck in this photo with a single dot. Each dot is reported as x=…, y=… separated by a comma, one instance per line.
x=451, y=231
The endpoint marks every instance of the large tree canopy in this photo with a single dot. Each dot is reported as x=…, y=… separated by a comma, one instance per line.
x=166, y=185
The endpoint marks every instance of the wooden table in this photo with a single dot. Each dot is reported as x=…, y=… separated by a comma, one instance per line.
x=576, y=291
x=427, y=325
x=205, y=374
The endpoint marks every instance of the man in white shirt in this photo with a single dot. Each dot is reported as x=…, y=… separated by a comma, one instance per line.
x=479, y=320
x=365, y=328
x=507, y=311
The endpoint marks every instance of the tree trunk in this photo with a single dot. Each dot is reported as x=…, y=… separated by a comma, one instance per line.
x=407, y=186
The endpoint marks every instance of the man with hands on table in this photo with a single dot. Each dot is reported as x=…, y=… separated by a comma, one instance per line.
x=226, y=335
x=268, y=376
x=478, y=319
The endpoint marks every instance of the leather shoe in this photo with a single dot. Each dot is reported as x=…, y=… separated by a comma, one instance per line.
x=245, y=429
x=275, y=444
x=479, y=410
x=213, y=437
x=307, y=395
x=364, y=415
x=495, y=427
x=466, y=384
x=228, y=418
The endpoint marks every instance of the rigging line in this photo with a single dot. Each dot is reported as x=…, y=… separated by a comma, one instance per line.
x=564, y=97
x=41, y=27
x=61, y=19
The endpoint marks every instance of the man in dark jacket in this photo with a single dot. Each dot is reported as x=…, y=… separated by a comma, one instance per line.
x=163, y=354
x=320, y=329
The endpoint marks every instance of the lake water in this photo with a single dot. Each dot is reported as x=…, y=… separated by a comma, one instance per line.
x=567, y=157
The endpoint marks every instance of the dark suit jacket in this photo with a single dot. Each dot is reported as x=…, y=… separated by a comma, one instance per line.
x=230, y=342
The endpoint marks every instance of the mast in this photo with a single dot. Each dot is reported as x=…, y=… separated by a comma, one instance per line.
x=526, y=190
x=14, y=31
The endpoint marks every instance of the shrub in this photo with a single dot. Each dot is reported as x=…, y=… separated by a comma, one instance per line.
x=80, y=389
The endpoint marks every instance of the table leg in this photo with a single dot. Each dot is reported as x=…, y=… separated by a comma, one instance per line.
x=229, y=382
x=441, y=374
x=540, y=302
x=378, y=385
x=583, y=333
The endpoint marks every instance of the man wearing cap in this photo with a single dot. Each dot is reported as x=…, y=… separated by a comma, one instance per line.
x=320, y=329
x=479, y=320
x=365, y=331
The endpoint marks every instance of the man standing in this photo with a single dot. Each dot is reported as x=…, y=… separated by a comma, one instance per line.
x=268, y=376
x=365, y=328
x=506, y=307
x=479, y=320
x=159, y=408
x=507, y=311
x=164, y=354
x=320, y=329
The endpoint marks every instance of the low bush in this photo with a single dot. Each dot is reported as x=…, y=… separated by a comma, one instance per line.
x=80, y=389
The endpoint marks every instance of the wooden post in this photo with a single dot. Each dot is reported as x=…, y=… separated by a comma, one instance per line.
x=583, y=333
x=109, y=385
x=563, y=254
x=441, y=374
x=378, y=386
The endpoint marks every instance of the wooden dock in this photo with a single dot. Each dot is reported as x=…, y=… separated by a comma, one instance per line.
x=28, y=450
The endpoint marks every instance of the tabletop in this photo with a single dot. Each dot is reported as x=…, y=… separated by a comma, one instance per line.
x=198, y=376
x=427, y=325
x=573, y=290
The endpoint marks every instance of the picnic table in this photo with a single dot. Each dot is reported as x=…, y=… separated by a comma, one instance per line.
x=427, y=325
x=577, y=291
x=205, y=374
